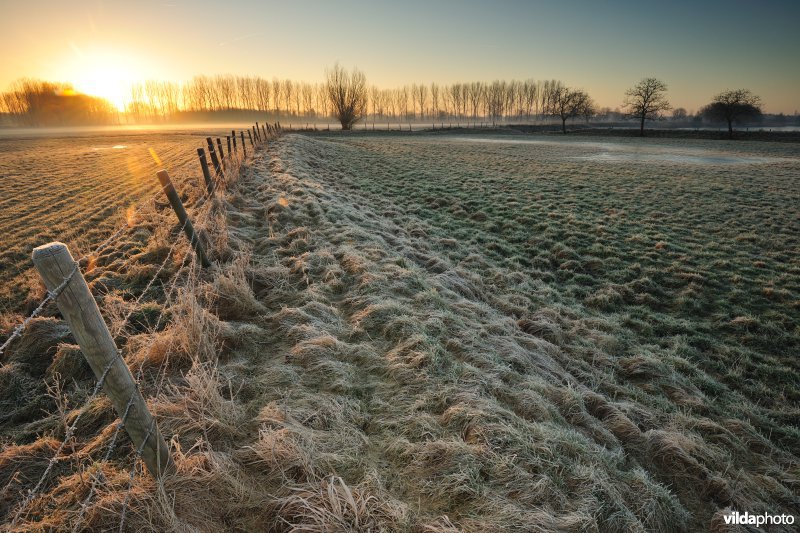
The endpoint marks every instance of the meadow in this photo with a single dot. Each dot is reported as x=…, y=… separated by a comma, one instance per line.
x=77, y=188
x=442, y=332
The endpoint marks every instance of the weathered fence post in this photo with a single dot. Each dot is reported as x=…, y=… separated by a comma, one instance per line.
x=264, y=131
x=183, y=217
x=258, y=131
x=213, y=155
x=206, y=174
x=244, y=146
x=250, y=136
x=233, y=134
x=255, y=134
x=230, y=152
x=79, y=309
x=221, y=152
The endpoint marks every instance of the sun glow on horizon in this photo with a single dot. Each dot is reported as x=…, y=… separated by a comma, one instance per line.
x=107, y=74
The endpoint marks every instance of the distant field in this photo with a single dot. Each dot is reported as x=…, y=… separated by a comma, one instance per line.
x=76, y=189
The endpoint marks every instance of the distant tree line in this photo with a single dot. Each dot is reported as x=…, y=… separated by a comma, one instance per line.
x=35, y=103
x=495, y=101
x=41, y=103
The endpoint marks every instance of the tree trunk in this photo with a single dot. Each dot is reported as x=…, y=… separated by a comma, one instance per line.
x=730, y=129
x=564, y=126
x=641, y=127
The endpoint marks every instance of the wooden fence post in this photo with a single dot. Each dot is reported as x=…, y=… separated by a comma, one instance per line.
x=213, y=155
x=244, y=146
x=264, y=130
x=230, y=152
x=258, y=131
x=221, y=152
x=255, y=134
x=206, y=174
x=233, y=134
x=79, y=309
x=183, y=217
x=250, y=136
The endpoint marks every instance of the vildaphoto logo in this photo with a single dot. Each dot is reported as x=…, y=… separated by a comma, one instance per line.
x=748, y=519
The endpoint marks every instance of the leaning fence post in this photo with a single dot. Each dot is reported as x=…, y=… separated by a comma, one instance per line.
x=250, y=136
x=183, y=217
x=233, y=134
x=258, y=131
x=255, y=134
x=244, y=146
x=264, y=130
x=79, y=309
x=213, y=155
x=221, y=152
x=228, y=138
x=206, y=174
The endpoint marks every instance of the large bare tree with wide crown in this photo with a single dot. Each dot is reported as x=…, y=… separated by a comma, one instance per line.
x=347, y=93
x=646, y=101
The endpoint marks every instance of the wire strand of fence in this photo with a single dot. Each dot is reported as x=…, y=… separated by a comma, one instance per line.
x=71, y=429
x=51, y=296
x=160, y=380
x=100, y=477
x=20, y=328
x=68, y=435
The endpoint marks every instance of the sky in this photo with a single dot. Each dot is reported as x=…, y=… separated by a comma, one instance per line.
x=698, y=47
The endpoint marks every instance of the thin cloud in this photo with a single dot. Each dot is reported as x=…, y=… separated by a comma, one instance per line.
x=241, y=38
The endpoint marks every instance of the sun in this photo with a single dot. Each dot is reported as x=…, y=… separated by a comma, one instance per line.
x=104, y=73
x=110, y=83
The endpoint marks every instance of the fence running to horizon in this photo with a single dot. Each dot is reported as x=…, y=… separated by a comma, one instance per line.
x=67, y=288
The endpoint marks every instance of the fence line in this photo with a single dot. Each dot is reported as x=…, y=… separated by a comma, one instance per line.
x=19, y=329
x=53, y=295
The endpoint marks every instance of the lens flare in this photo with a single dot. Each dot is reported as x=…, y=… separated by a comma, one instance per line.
x=154, y=156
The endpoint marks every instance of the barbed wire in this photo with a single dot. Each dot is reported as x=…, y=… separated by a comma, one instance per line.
x=20, y=328
x=112, y=445
x=53, y=295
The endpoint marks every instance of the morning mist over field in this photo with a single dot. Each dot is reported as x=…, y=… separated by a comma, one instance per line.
x=444, y=266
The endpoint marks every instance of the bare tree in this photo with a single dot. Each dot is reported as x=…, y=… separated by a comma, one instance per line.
x=733, y=106
x=347, y=93
x=569, y=103
x=646, y=101
x=679, y=113
x=376, y=101
x=419, y=95
x=434, y=101
x=496, y=93
x=475, y=91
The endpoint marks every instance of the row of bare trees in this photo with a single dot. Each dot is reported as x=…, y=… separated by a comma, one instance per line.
x=41, y=103
x=347, y=97
x=495, y=101
x=156, y=100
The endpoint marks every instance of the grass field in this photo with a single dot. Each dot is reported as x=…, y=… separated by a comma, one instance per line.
x=434, y=332
x=76, y=188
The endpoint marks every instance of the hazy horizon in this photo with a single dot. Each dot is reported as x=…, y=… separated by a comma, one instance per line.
x=698, y=50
